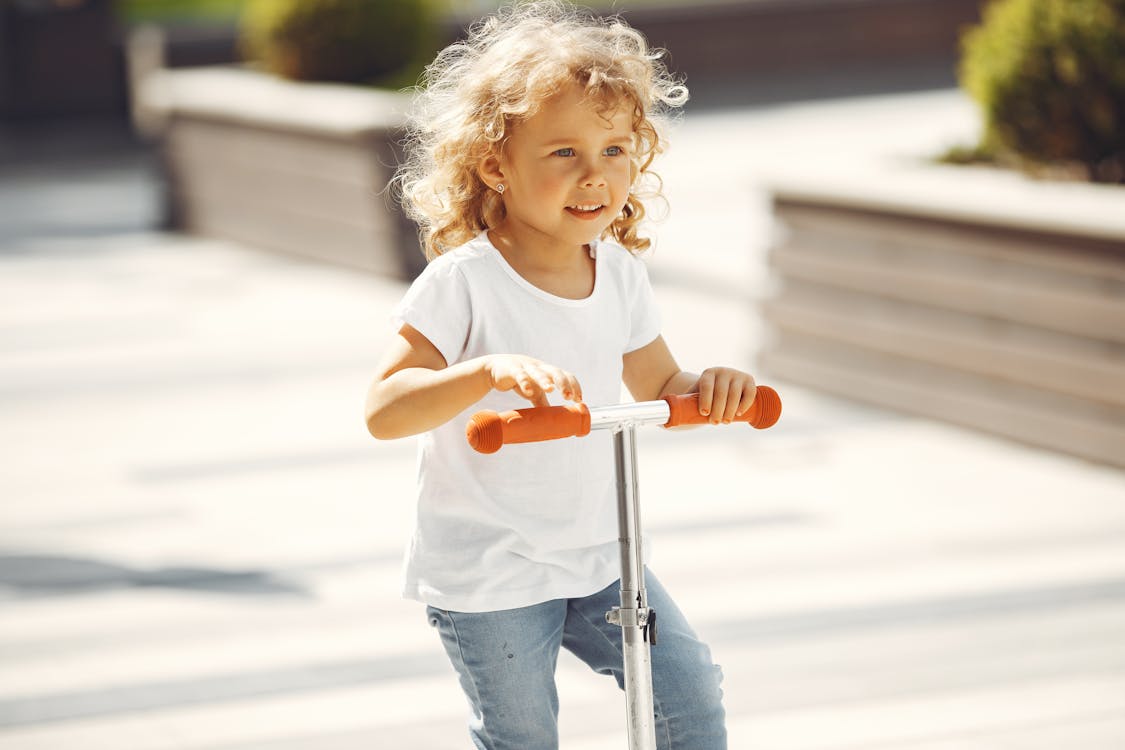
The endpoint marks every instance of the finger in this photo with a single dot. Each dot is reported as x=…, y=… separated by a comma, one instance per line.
x=562, y=380
x=706, y=392
x=719, y=401
x=565, y=382
x=539, y=384
x=734, y=400
x=749, y=393
x=536, y=395
x=542, y=377
x=527, y=386
x=569, y=385
x=507, y=383
x=574, y=388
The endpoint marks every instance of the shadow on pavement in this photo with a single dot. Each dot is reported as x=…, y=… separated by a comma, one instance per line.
x=46, y=575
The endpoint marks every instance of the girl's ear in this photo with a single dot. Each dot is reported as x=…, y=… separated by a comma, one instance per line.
x=490, y=172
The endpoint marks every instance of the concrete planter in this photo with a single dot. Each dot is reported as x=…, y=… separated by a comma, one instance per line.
x=295, y=167
x=968, y=295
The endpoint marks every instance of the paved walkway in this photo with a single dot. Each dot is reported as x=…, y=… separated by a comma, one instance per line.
x=200, y=545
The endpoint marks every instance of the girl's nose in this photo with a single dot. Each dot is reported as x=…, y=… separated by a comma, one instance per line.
x=594, y=178
x=593, y=174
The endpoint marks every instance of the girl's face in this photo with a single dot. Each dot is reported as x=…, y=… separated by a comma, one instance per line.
x=566, y=171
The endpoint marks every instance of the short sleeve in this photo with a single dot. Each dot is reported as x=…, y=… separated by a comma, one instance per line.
x=438, y=306
x=644, y=317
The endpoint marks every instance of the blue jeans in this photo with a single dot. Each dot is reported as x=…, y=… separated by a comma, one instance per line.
x=506, y=664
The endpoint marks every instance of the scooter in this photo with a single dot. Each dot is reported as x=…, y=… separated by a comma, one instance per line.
x=488, y=431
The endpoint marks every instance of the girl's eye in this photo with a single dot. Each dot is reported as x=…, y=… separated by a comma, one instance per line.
x=610, y=151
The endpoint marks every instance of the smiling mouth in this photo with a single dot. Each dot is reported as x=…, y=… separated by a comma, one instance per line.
x=586, y=210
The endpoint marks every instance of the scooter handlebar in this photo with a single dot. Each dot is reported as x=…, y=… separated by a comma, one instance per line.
x=488, y=430
x=763, y=413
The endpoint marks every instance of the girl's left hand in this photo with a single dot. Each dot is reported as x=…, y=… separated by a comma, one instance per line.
x=724, y=393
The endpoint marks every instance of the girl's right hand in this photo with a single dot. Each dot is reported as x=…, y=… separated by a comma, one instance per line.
x=530, y=378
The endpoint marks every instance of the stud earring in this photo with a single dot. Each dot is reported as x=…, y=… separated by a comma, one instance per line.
x=500, y=188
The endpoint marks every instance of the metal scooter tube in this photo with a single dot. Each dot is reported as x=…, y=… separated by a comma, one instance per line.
x=619, y=416
x=633, y=615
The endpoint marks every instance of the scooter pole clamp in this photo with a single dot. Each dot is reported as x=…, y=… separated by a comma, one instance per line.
x=628, y=618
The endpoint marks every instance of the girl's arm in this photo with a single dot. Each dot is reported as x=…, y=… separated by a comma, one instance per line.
x=415, y=391
x=651, y=372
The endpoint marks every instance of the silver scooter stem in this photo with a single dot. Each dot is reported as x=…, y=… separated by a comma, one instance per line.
x=633, y=616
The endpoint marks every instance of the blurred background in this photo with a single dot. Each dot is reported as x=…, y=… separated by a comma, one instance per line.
x=905, y=215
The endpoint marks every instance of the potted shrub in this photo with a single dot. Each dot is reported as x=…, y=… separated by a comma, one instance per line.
x=1049, y=79
x=294, y=151
x=977, y=295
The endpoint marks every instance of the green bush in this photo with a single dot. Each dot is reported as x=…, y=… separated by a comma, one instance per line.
x=350, y=41
x=178, y=11
x=1049, y=76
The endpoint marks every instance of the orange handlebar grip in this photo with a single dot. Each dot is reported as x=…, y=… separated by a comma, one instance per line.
x=763, y=413
x=488, y=430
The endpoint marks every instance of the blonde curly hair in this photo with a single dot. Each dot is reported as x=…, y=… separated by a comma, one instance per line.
x=509, y=63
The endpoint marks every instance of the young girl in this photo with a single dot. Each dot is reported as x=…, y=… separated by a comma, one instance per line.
x=528, y=160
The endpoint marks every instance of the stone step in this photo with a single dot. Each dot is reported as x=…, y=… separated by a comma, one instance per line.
x=1031, y=416
x=1006, y=351
x=1074, y=287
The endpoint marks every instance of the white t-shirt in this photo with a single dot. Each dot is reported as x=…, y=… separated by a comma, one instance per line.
x=535, y=521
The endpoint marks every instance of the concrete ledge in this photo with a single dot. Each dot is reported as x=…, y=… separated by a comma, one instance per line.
x=977, y=297
x=235, y=94
x=973, y=196
x=294, y=167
